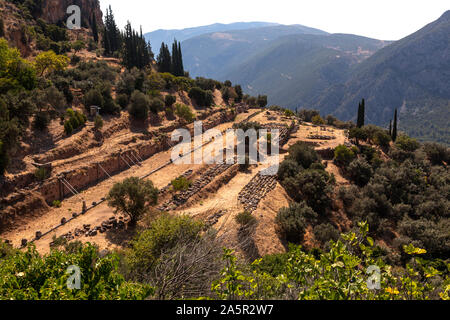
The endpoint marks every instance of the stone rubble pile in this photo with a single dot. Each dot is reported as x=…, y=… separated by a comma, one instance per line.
x=166, y=189
x=256, y=190
x=214, y=218
x=182, y=197
x=112, y=223
x=320, y=137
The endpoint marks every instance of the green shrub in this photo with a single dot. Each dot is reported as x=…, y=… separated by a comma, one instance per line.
x=307, y=115
x=74, y=121
x=357, y=134
x=437, y=153
x=203, y=98
x=181, y=183
x=98, y=123
x=273, y=264
x=41, y=174
x=303, y=154
x=184, y=112
x=163, y=234
x=406, y=143
x=343, y=155
x=41, y=120
x=360, y=171
x=169, y=100
x=288, y=168
x=156, y=105
x=245, y=219
x=139, y=107
x=288, y=113
x=382, y=139
x=68, y=129
x=312, y=186
x=122, y=100
x=261, y=101
x=325, y=232
x=93, y=98
x=318, y=120
x=56, y=204
x=292, y=221
x=45, y=277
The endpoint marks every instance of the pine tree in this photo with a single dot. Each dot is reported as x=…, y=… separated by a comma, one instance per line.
x=394, y=130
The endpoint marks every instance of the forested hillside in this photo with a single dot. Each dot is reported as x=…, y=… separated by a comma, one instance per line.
x=412, y=75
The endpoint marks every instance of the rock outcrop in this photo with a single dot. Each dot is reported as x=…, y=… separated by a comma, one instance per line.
x=54, y=11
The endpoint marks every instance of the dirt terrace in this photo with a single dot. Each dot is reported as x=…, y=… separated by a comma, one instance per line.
x=216, y=201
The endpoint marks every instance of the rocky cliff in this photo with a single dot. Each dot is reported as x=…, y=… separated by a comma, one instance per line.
x=54, y=11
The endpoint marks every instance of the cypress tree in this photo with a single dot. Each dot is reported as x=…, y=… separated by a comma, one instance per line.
x=394, y=130
x=174, y=66
x=390, y=128
x=361, y=114
x=164, y=59
x=2, y=28
x=177, y=68
x=112, y=41
x=180, y=61
x=136, y=51
x=94, y=28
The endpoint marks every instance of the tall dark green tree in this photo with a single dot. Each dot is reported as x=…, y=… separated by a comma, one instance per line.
x=112, y=40
x=94, y=28
x=164, y=59
x=177, y=59
x=136, y=51
x=390, y=128
x=394, y=129
x=171, y=62
x=239, y=93
x=361, y=114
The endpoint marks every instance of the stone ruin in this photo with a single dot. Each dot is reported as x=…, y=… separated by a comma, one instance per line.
x=182, y=197
x=256, y=190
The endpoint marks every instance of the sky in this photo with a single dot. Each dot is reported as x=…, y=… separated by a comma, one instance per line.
x=380, y=19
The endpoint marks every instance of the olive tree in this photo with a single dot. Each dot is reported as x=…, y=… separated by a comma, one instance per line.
x=132, y=196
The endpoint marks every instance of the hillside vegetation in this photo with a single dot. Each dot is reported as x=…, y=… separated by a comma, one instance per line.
x=347, y=201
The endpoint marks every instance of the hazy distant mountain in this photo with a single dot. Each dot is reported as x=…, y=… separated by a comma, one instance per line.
x=213, y=55
x=167, y=36
x=294, y=70
x=412, y=74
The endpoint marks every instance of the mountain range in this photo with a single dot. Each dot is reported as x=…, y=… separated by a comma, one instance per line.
x=302, y=67
x=168, y=36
